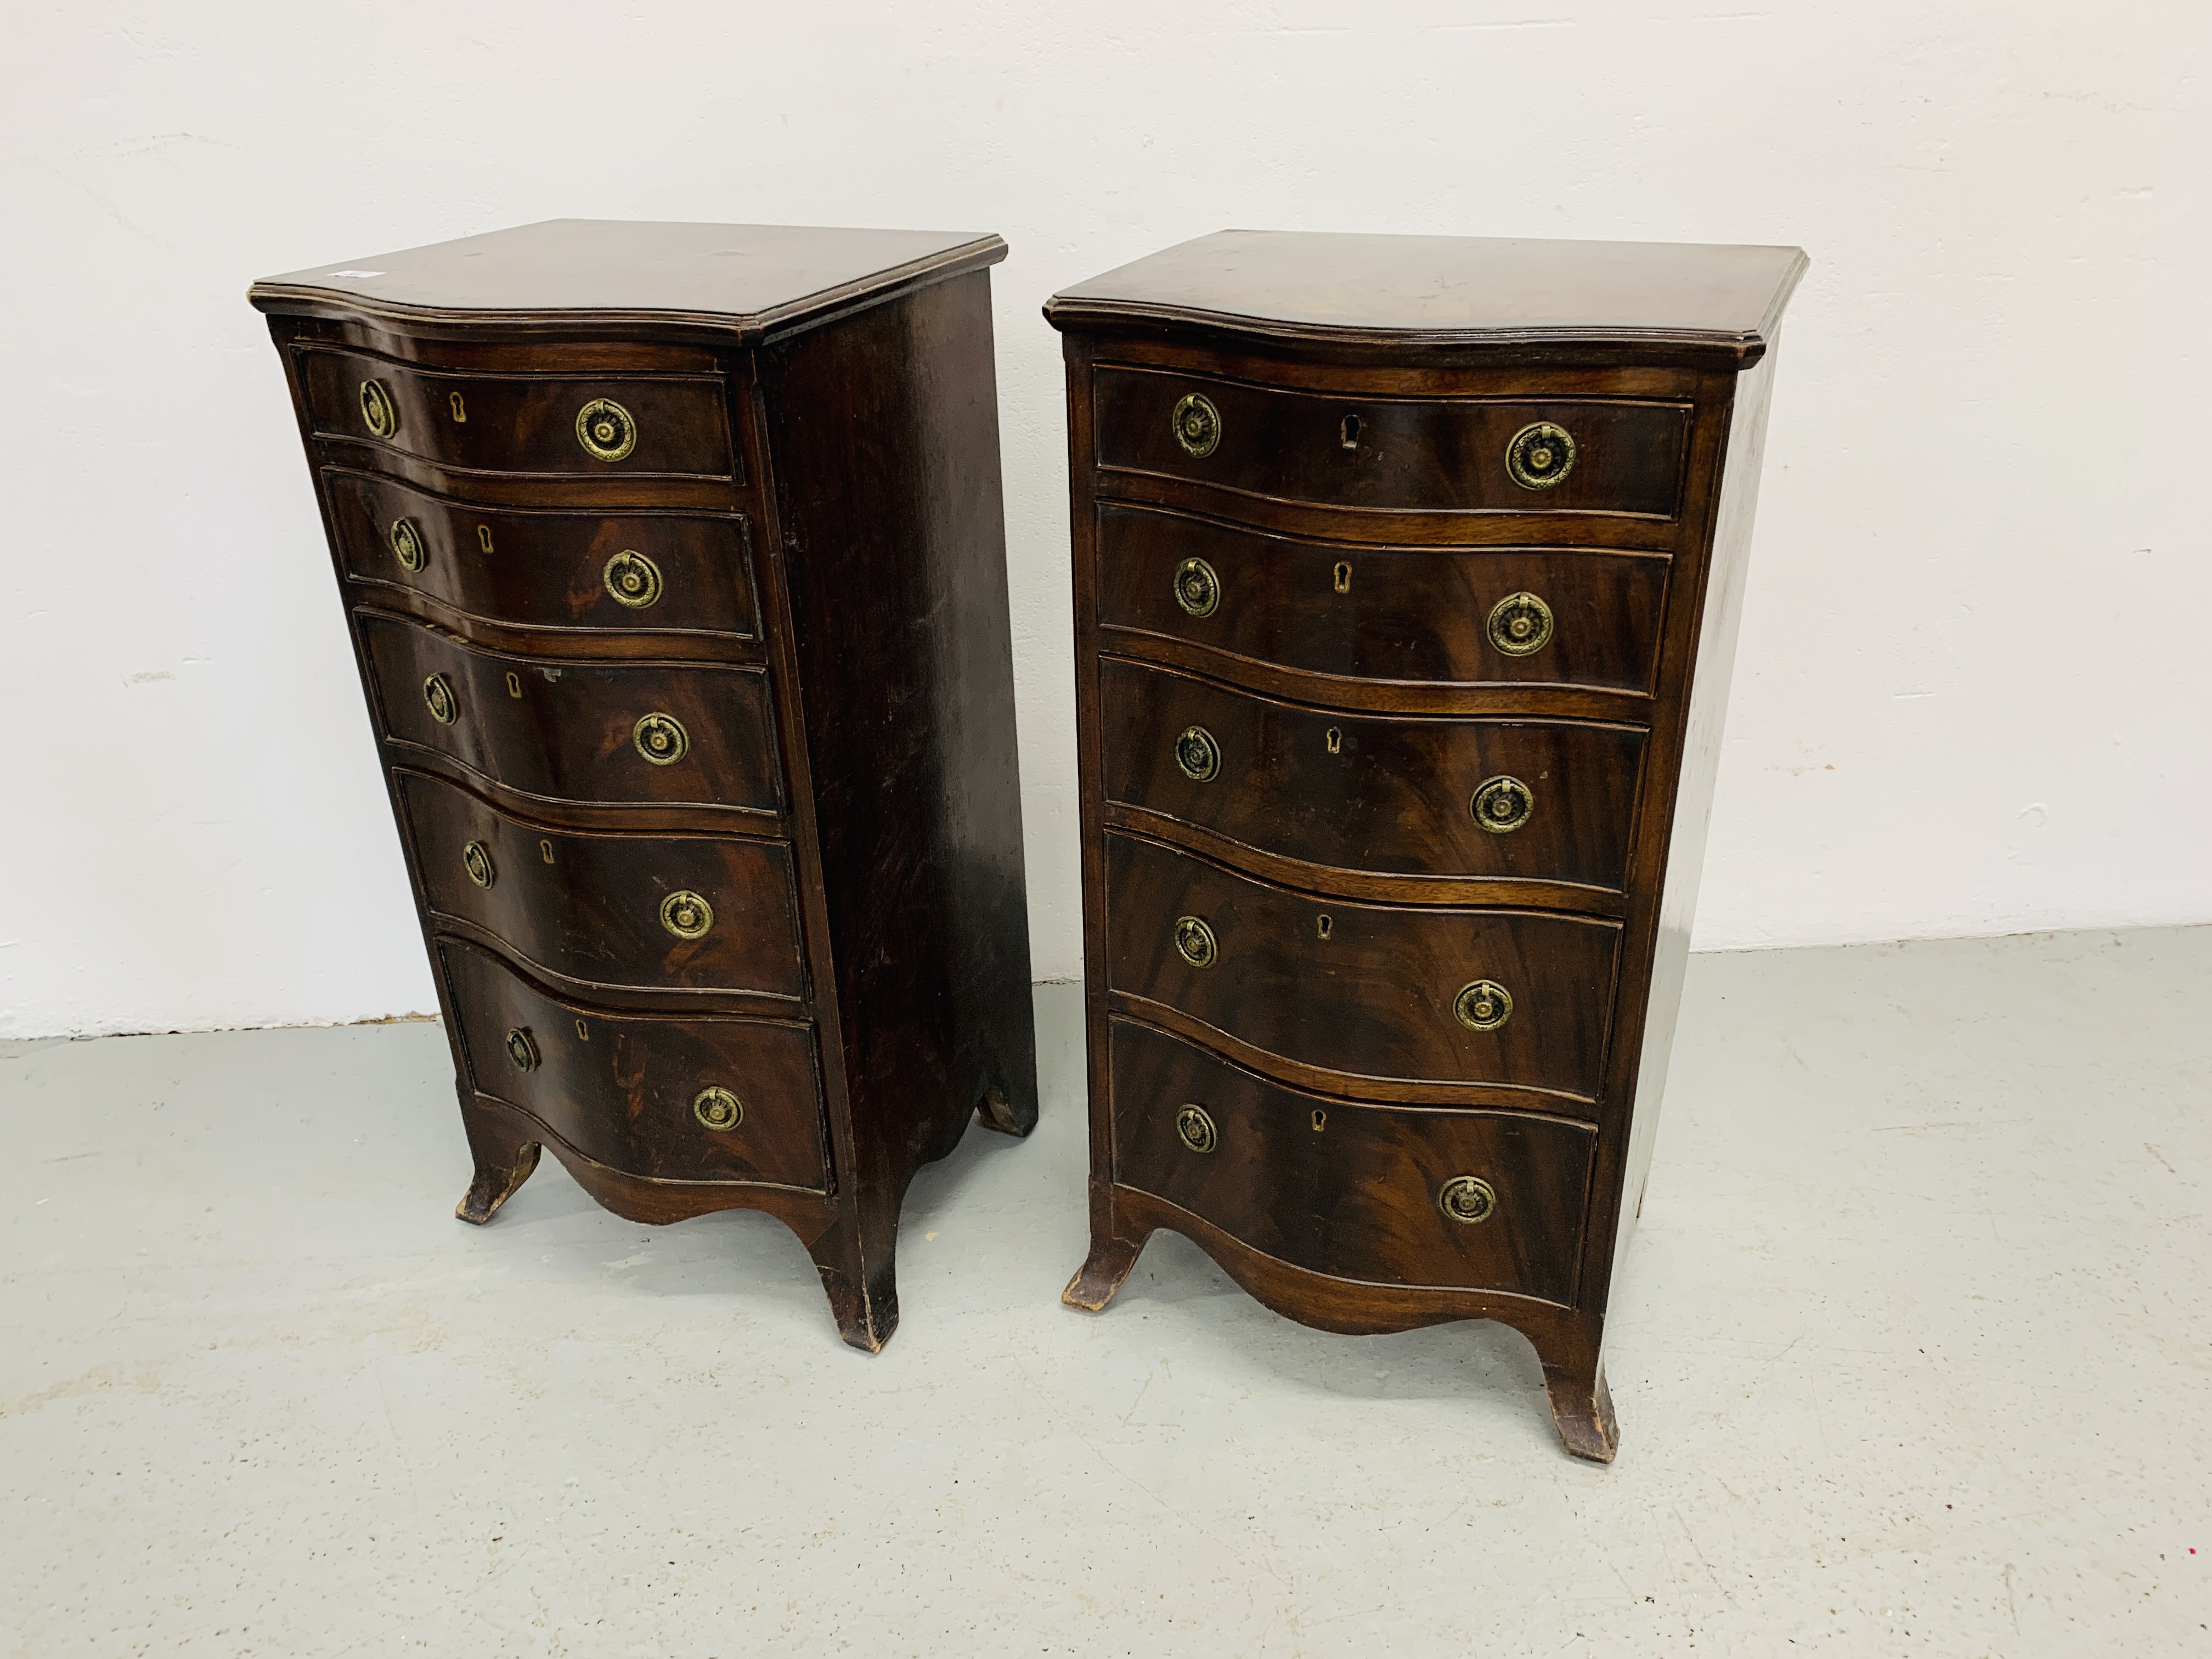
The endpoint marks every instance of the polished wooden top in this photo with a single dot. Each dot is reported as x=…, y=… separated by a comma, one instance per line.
x=1475, y=290
x=751, y=280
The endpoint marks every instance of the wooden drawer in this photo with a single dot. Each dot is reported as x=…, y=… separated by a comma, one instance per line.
x=664, y=425
x=625, y=1090
x=1399, y=614
x=1351, y=1189
x=684, y=913
x=568, y=730
x=1406, y=454
x=1373, y=993
x=1393, y=794
x=640, y=572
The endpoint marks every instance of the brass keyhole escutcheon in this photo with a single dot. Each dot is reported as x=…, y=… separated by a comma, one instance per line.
x=1332, y=740
x=1482, y=1005
x=438, y=692
x=1194, y=1128
x=1197, y=425
x=1502, y=804
x=522, y=1050
x=515, y=686
x=460, y=413
x=1198, y=754
x=378, y=410
x=660, y=738
x=686, y=914
x=1520, y=624
x=1194, y=942
x=545, y=851
x=407, y=544
x=583, y=1032
x=1324, y=926
x=1468, y=1198
x=632, y=579
x=476, y=859
x=1540, y=455
x=484, y=537
x=1197, y=589
x=606, y=430
x=1320, y=1120
x=1343, y=577
x=717, y=1108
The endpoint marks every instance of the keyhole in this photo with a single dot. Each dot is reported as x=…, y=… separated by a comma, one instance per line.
x=513, y=686
x=1348, y=433
x=545, y=847
x=1343, y=578
x=1320, y=1120
x=583, y=1031
x=1336, y=741
x=484, y=537
x=1324, y=926
x=459, y=413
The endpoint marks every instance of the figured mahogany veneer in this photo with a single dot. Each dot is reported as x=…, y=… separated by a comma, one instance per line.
x=674, y=563
x=1366, y=527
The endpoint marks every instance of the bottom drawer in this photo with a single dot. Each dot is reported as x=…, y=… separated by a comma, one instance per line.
x=1358, y=1192
x=633, y=1092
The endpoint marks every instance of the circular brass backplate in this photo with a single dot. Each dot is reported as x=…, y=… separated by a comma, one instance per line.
x=686, y=914
x=407, y=544
x=632, y=579
x=1194, y=942
x=1194, y=1128
x=1520, y=624
x=476, y=859
x=660, y=738
x=1482, y=1005
x=606, y=430
x=1540, y=455
x=717, y=1108
x=1197, y=589
x=377, y=409
x=1468, y=1198
x=1197, y=426
x=438, y=692
x=1198, y=754
x=1502, y=804
x=522, y=1050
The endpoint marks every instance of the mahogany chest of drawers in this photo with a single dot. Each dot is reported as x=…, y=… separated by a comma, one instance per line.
x=675, y=566
x=1406, y=578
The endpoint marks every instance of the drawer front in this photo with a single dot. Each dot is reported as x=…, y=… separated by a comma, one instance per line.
x=1352, y=1190
x=1437, y=454
x=1445, y=617
x=569, y=730
x=588, y=426
x=1377, y=992
x=688, y=913
x=625, y=1091
x=1405, y=794
x=642, y=572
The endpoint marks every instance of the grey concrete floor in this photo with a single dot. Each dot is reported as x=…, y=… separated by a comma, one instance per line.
x=1913, y=1356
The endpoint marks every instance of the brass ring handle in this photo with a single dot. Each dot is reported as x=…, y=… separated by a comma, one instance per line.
x=606, y=430
x=1482, y=1005
x=438, y=692
x=378, y=410
x=1197, y=589
x=1469, y=1199
x=1194, y=942
x=407, y=544
x=1520, y=624
x=660, y=738
x=522, y=1050
x=632, y=579
x=1198, y=754
x=1194, y=1128
x=686, y=914
x=1502, y=804
x=476, y=859
x=717, y=1108
x=1540, y=455
x=1197, y=426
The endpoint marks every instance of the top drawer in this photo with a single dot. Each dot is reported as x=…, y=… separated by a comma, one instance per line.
x=1404, y=454
x=578, y=425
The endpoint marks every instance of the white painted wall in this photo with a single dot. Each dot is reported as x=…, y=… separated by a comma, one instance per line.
x=1972, y=697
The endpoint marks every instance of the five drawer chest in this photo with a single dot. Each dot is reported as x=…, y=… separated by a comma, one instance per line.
x=674, y=563
x=1407, y=576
